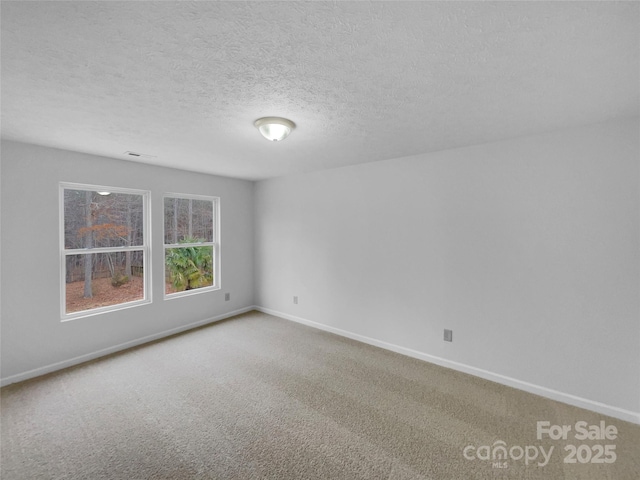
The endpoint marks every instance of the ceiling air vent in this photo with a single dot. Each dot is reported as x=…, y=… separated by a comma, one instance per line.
x=138, y=155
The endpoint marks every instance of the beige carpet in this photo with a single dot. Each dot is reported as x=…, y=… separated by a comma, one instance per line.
x=258, y=397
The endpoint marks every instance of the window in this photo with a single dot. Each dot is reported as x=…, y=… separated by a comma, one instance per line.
x=104, y=249
x=191, y=244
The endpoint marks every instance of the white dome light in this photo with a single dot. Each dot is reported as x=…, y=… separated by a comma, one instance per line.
x=274, y=128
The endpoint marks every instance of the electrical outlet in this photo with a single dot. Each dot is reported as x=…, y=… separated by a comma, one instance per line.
x=227, y=297
x=448, y=335
x=295, y=300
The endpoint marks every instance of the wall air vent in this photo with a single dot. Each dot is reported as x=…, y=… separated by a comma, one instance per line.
x=138, y=155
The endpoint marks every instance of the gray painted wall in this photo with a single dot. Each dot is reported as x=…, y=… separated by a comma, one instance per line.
x=527, y=249
x=33, y=336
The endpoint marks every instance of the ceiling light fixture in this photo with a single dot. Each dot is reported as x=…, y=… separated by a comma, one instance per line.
x=274, y=128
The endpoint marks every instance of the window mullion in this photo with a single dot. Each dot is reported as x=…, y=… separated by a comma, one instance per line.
x=80, y=251
x=183, y=245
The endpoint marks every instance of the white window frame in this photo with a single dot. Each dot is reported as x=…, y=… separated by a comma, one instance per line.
x=217, y=282
x=145, y=247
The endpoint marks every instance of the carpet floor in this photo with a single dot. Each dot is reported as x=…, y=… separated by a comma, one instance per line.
x=259, y=397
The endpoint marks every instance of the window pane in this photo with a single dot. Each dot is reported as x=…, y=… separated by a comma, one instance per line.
x=187, y=220
x=188, y=268
x=203, y=220
x=93, y=219
x=95, y=280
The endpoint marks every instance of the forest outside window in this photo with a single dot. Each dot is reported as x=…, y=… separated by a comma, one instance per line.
x=191, y=244
x=105, y=249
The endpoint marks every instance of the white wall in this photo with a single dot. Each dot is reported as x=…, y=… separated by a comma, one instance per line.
x=528, y=249
x=33, y=337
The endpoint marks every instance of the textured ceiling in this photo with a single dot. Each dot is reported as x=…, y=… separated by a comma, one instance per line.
x=364, y=81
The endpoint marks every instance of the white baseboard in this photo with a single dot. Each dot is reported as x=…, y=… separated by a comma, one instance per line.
x=36, y=372
x=622, y=414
